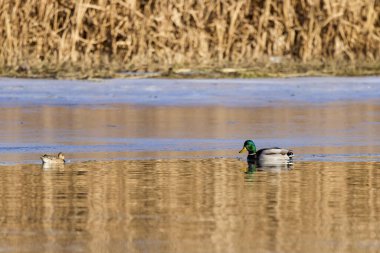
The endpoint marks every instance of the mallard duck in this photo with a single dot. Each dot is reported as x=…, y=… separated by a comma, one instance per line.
x=267, y=155
x=51, y=159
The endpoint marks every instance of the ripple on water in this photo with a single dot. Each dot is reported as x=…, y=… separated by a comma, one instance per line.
x=197, y=205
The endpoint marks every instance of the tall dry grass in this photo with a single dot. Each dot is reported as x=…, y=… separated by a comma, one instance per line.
x=155, y=34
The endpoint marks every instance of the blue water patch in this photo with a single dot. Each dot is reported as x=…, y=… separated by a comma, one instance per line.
x=356, y=157
x=200, y=92
x=174, y=144
x=125, y=145
x=190, y=148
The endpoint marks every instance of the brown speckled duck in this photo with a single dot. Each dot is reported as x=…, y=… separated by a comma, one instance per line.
x=51, y=159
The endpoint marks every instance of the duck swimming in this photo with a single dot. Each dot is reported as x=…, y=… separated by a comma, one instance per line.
x=265, y=156
x=51, y=159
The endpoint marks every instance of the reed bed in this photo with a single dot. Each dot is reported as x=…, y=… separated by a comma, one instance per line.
x=101, y=37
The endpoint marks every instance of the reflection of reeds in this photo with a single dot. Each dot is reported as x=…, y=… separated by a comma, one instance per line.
x=156, y=34
x=196, y=205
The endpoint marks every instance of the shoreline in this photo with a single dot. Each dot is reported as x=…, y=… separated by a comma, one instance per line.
x=277, y=68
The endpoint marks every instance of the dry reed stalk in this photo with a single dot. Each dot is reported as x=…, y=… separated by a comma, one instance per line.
x=157, y=34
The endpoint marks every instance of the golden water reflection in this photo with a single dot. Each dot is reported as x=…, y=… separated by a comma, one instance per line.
x=196, y=205
x=123, y=120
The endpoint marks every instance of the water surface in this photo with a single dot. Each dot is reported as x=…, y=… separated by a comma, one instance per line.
x=221, y=92
x=339, y=131
x=190, y=205
x=153, y=166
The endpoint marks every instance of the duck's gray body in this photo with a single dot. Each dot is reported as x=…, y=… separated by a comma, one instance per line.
x=274, y=156
x=266, y=156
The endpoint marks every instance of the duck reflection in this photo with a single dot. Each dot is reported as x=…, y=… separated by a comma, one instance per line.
x=49, y=166
x=254, y=166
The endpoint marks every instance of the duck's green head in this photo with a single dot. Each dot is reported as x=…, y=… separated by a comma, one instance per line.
x=249, y=146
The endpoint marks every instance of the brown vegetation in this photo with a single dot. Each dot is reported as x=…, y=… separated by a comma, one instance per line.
x=99, y=37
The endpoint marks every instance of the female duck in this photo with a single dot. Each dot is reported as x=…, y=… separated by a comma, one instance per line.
x=50, y=159
x=267, y=155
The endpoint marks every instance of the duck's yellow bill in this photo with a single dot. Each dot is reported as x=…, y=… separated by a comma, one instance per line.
x=243, y=150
